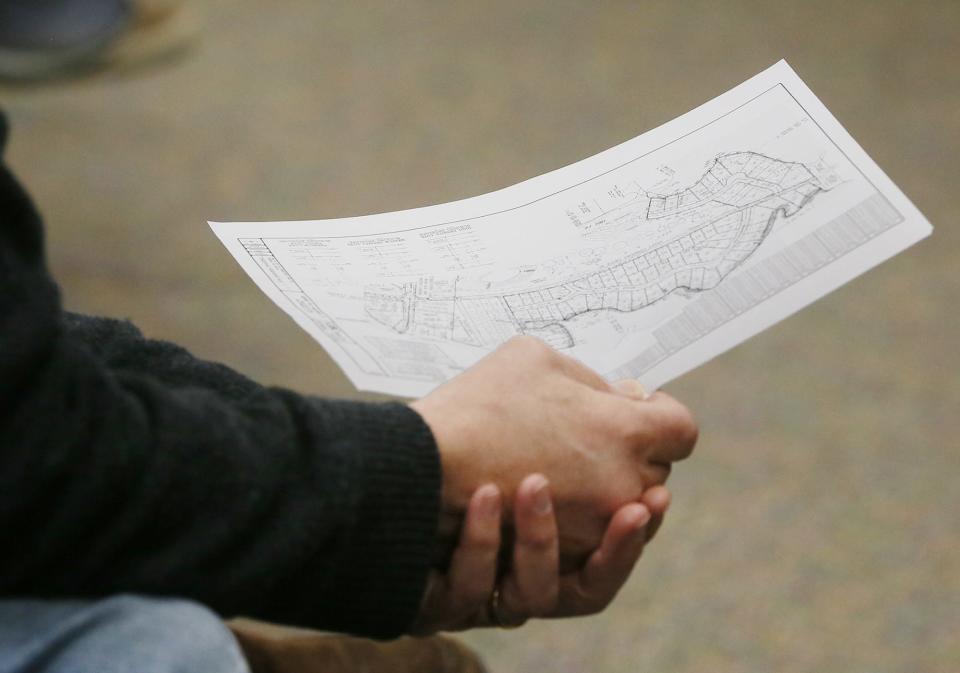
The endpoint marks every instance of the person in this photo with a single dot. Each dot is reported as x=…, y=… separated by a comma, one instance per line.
x=132, y=471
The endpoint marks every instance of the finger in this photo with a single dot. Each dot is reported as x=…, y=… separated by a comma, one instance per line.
x=473, y=567
x=530, y=590
x=657, y=500
x=657, y=473
x=670, y=427
x=609, y=567
x=631, y=388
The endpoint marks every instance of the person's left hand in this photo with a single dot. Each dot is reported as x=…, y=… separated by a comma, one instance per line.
x=470, y=594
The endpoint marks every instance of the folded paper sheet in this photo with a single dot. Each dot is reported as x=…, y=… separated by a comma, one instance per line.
x=643, y=261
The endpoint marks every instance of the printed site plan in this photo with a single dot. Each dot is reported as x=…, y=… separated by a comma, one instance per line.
x=643, y=261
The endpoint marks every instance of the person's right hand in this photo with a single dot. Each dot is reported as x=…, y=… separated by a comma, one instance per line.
x=526, y=408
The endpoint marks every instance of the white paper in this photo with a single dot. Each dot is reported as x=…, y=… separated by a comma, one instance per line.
x=643, y=261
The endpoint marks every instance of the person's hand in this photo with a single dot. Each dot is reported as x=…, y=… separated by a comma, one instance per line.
x=454, y=598
x=526, y=408
x=461, y=597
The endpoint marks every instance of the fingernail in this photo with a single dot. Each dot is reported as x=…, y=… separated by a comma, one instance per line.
x=490, y=501
x=541, y=498
x=633, y=388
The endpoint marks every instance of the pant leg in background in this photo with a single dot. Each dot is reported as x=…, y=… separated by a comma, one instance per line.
x=119, y=634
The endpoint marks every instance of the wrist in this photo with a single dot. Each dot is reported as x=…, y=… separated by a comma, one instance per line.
x=455, y=492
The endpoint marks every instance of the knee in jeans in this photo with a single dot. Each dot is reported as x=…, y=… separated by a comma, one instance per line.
x=186, y=635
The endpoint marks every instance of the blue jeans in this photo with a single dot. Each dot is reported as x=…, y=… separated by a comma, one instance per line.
x=120, y=634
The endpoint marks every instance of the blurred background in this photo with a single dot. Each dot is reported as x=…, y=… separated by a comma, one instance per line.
x=817, y=528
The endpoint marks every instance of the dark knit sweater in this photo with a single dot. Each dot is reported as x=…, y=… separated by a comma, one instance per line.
x=127, y=465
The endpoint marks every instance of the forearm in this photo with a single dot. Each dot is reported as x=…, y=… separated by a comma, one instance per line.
x=278, y=506
x=141, y=468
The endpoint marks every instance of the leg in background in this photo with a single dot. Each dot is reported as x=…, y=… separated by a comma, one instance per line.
x=115, y=635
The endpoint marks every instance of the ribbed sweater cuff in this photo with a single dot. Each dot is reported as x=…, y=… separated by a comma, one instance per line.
x=397, y=473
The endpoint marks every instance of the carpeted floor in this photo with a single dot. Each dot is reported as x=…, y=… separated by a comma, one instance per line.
x=817, y=528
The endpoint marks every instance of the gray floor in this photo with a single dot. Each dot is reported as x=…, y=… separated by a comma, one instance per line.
x=818, y=526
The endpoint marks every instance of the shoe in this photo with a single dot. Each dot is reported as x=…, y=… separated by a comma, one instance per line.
x=275, y=649
x=69, y=37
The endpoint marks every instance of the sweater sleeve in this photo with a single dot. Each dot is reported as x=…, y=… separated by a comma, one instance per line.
x=128, y=465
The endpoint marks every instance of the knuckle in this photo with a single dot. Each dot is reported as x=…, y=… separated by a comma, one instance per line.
x=516, y=341
x=632, y=426
x=539, y=540
x=683, y=428
x=482, y=539
x=670, y=424
x=532, y=347
x=524, y=342
x=657, y=474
